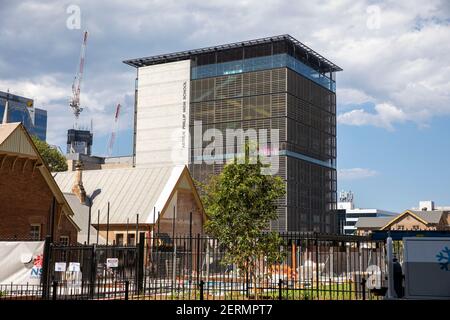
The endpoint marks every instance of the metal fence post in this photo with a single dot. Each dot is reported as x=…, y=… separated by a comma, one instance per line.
x=317, y=266
x=280, y=293
x=55, y=289
x=363, y=287
x=127, y=286
x=93, y=271
x=46, y=267
x=140, y=271
x=201, y=284
x=247, y=289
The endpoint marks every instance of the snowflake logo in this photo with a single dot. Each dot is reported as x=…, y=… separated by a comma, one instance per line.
x=443, y=258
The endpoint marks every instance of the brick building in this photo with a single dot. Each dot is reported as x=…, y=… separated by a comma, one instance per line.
x=164, y=197
x=409, y=220
x=31, y=203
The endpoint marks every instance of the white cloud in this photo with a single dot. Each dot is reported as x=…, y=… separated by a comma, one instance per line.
x=51, y=93
x=355, y=173
x=403, y=67
x=385, y=116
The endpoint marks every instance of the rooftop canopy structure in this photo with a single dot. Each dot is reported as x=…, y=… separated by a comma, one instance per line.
x=280, y=44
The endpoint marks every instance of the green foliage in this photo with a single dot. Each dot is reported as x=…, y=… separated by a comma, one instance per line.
x=240, y=203
x=52, y=157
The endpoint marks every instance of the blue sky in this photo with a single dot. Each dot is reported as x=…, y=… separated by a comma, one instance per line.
x=393, y=95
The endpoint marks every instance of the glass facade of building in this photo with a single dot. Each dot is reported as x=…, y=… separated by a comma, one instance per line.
x=305, y=114
x=21, y=109
x=263, y=63
x=271, y=83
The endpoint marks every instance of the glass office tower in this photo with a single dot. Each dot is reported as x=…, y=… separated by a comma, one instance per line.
x=271, y=83
x=21, y=109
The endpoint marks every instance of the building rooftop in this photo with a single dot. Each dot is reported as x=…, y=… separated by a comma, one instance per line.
x=16, y=141
x=15, y=97
x=183, y=55
x=130, y=191
x=6, y=129
x=372, y=222
x=81, y=218
x=429, y=216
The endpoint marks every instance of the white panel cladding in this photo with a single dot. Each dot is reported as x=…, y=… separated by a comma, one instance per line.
x=162, y=123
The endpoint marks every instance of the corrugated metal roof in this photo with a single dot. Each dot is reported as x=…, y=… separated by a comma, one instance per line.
x=81, y=218
x=12, y=140
x=130, y=191
x=6, y=129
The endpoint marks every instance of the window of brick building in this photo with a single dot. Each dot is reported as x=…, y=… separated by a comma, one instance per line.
x=131, y=239
x=35, y=232
x=64, y=240
x=119, y=239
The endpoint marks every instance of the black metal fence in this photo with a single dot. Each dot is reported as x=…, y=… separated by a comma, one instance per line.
x=315, y=266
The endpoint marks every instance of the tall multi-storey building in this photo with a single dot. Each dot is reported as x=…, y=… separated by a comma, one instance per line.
x=271, y=83
x=21, y=109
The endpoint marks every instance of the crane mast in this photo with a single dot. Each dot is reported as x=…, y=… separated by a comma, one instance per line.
x=76, y=85
x=112, y=138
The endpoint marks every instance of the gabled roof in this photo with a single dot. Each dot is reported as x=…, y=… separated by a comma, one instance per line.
x=429, y=216
x=372, y=222
x=15, y=141
x=426, y=217
x=130, y=191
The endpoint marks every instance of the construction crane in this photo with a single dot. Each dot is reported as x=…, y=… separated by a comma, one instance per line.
x=112, y=138
x=76, y=85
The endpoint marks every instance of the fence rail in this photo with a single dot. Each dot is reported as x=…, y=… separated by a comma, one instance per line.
x=315, y=266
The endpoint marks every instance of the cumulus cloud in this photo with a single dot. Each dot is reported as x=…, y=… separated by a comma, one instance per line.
x=400, y=64
x=355, y=173
x=385, y=116
x=49, y=92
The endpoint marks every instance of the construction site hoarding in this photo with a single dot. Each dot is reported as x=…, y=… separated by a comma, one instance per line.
x=21, y=262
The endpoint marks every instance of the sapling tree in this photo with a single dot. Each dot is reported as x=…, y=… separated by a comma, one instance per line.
x=240, y=203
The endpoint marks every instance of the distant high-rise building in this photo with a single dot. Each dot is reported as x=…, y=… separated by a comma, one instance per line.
x=21, y=109
x=79, y=141
x=263, y=84
x=349, y=216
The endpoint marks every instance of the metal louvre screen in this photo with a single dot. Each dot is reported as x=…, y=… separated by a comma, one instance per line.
x=304, y=114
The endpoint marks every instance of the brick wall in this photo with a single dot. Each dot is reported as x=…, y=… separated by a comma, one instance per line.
x=26, y=199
